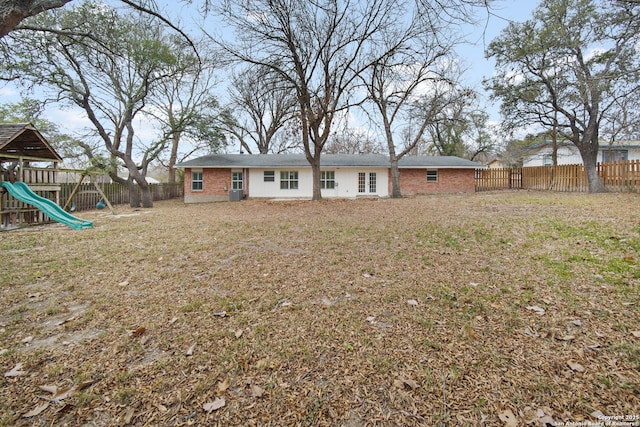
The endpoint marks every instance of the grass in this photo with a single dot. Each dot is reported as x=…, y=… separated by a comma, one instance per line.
x=317, y=313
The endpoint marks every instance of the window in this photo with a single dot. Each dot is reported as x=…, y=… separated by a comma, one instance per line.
x=236, y=180
x=432, y=175
x=372, y=182
x=615, y=155
x=196, y=180
x=547, y=160
x=289, y=180
x=362, y=182
x=327, y=180
x=269, y=176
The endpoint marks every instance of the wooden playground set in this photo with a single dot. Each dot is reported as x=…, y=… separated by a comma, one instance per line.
x=30, y=190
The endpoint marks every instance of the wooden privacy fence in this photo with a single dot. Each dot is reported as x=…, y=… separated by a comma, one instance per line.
x=87, y=196
x=616, y=176
x=498, y=179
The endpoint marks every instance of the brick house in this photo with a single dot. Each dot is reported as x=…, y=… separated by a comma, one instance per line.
x=234, y=176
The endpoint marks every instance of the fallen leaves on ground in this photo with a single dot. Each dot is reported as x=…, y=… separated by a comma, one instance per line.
x=508, y=418
x=575, y=366
x=214, y=405
x=15, y=372
x=435, y=310
x=402, y=382
x=190, y=350
x=37, y=410
x=537, y=310
x=223, y=385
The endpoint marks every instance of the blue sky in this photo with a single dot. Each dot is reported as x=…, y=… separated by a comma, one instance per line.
x=471, y=53
x=489, y=27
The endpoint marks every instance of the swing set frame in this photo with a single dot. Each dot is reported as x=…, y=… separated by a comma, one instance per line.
x=92, y=180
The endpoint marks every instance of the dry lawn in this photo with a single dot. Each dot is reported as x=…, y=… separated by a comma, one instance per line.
x=497, y=309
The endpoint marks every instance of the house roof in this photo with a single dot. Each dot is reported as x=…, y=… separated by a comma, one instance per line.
x=326, y=160
x=602, y=146
x=24, y=140
x=619, y=145
x=440, y=162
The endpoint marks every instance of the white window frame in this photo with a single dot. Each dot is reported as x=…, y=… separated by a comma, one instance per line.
x=367, y=182
x=289, y=180
x=236, y=184
x=432, y=175
x=362, y=182
x=327, y=180
x=373, y=182
x=269, y=176
x=199, y=180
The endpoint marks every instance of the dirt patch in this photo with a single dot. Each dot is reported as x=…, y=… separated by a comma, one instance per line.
x=477, y=309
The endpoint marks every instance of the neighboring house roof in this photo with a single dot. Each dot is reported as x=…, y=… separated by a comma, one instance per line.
x=149, y=179
x=24, y=140
x=617, y=146
x=603, y=145
x=326, y=160
x=498, y=161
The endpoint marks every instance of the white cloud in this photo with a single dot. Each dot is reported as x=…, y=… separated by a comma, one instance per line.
x=7, y=93
x=70, y=121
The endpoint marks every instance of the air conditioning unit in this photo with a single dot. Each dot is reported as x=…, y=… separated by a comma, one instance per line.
x=236, y=195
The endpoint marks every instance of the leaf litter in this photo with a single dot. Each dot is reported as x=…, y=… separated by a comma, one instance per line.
x=278, y=341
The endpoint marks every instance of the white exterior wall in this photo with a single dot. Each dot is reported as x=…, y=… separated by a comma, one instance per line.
x=566, y=156
x=346, y=180
x=634, y=154
x=571, y=155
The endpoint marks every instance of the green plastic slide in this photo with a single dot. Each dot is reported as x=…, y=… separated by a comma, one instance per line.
x=22, y=192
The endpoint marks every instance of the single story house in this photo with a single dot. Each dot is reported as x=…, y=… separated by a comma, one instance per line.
x=568, y=154
x=234, y=176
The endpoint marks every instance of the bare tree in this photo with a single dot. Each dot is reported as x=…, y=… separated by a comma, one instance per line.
x=416, y=80
x=481, y=136
x=263, y=107
x=317, y=49
x=622, y=121
x=350, y=140
x=110, y=80
x=187, y=110
x=411, y=91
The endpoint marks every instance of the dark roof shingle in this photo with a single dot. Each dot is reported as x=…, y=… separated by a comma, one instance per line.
x=326, y=160
x=24, y=140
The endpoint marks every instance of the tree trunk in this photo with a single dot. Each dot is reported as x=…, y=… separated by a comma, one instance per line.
x=589, y=153
x=134, y=194
x=146, y=196
x=395, y=178
x=13, y=12
x=396, y=192
x=173, y=157
x=593, y=179
x=315, y=171
x=139, y=193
